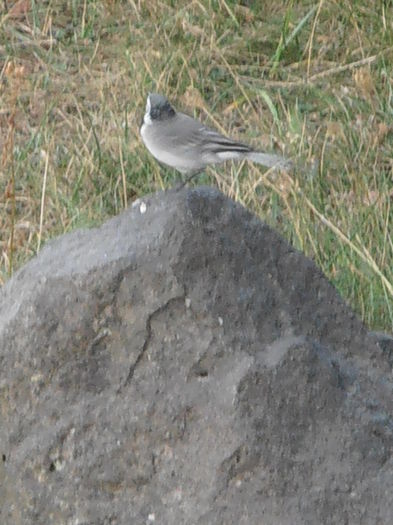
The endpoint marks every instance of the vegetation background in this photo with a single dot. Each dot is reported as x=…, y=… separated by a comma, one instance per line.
x=310, y=79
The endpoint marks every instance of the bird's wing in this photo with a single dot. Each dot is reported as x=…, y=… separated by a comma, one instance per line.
x=209, y=140
x=214, y=142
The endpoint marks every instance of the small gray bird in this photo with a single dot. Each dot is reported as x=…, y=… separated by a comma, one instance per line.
x=183, y=143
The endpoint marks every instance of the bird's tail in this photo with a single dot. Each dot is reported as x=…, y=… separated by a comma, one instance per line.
x=269, y=160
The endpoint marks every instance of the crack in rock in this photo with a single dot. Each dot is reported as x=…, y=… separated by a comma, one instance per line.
x=149, y=320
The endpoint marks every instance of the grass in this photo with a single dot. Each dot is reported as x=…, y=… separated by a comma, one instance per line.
x=311, y=79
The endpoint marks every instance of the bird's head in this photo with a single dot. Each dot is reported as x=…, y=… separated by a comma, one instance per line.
x=157, y=108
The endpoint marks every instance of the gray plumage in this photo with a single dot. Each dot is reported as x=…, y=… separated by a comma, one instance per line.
x=184, y=143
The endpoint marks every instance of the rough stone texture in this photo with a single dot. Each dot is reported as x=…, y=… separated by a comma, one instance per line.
x=183, y=364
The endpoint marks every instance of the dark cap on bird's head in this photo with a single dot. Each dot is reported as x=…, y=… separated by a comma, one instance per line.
x=158, y=107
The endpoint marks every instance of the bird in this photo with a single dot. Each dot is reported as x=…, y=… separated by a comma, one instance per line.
x=185, y=144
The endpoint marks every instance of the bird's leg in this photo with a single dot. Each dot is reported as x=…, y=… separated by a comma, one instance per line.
x=187, y=179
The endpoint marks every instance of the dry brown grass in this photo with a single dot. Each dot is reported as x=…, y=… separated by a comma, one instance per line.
x=310, y=79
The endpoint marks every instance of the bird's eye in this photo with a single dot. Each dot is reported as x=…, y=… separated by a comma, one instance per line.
x=155, y=113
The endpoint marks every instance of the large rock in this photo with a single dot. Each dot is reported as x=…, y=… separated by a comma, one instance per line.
x=182, y=364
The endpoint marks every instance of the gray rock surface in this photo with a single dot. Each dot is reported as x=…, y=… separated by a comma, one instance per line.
x=182, y=364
